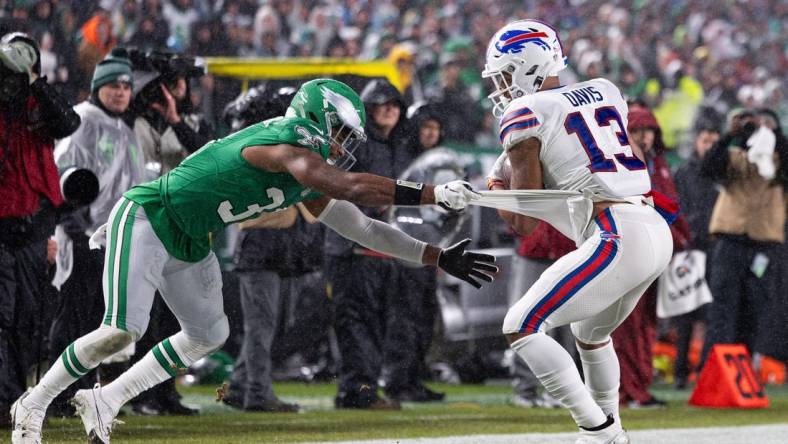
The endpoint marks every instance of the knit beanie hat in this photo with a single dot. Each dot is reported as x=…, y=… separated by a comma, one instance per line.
x=115, y=67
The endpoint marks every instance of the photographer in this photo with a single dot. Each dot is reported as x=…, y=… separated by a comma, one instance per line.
x=167, y=132
x=32, y=115
x=362, y=282
x=166, y=127
x=278, y=260
x=748, y=220
x=105, y=145
x=411, y=318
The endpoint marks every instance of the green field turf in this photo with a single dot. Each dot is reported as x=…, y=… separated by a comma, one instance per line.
x=469, y=409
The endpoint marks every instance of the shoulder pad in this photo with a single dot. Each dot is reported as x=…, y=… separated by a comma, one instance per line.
x=608, y=84
x=602, y=80
x=520, y=121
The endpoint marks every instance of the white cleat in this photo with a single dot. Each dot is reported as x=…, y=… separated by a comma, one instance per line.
x=97, y=415
x=27, y=422
x=611, y=433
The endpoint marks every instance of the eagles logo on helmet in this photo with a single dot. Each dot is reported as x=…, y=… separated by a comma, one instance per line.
x=337, y=111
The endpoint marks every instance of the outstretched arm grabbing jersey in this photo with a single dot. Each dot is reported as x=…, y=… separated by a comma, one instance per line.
x=313, y=172
x=336, y=210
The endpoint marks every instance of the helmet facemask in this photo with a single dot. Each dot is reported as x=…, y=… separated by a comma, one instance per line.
x=510, y=83
x=344, y=140
x=345, y=128
x=505, y=89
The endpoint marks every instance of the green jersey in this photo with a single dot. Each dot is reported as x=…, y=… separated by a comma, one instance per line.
x=216, y=186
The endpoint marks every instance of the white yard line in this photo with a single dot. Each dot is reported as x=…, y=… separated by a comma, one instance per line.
x=761, y=434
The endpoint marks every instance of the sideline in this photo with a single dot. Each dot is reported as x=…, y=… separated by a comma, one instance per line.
x=762, y=434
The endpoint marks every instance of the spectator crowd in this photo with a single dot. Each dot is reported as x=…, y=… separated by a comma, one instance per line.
x=703, y=77
x=677, y=56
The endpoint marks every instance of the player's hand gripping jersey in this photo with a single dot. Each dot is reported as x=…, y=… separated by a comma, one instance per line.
x=582, y=129
x=216, y=186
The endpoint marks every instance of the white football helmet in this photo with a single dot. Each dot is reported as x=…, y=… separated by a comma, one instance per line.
x=519, y=57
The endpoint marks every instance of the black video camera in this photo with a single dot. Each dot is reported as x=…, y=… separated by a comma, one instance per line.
x=165, y=63
x=160, y=67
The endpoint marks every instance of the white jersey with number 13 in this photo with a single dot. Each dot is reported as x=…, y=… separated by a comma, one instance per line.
x=584, y=142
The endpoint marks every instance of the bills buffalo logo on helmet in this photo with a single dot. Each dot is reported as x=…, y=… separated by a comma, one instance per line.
x=513, y=41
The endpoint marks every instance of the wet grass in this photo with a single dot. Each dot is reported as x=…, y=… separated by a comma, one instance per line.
x=468, y=410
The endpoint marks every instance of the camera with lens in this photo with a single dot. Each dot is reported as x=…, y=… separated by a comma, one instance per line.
x=161, y=67
x=19, y=59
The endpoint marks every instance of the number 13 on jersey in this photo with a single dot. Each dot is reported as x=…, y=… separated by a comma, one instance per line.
x=612, y=155
x=576, y=124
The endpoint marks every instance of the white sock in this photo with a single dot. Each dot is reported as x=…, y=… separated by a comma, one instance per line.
x=143, y=375
x=54, y=381
x=72, y=364
x=603, y=375
x=162, y=362
x=555, y=369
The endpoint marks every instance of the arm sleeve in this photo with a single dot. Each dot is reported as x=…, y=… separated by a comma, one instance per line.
x=59, y=118
x=348, y=221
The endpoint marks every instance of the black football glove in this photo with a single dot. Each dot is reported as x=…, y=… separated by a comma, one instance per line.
x=466, y=265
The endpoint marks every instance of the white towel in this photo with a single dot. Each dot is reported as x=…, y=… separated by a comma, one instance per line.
x=99, y=238
x=64, y=259
x=761, y=152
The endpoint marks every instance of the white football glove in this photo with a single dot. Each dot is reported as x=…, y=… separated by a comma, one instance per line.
x=501, y=172
x=455, y=195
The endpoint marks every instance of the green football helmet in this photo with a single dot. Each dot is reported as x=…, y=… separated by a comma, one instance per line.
x=338, y=111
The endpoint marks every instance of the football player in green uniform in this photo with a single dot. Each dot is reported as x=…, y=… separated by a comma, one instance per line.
x=157, y=237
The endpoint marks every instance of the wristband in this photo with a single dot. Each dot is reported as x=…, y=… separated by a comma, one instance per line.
x=407, y=193
x=494, y=181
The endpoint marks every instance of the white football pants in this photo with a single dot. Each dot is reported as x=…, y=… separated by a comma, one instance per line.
x=136, y=264
x=595, y=287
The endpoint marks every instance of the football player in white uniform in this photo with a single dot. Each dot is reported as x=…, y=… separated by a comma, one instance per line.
x=574, y=138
